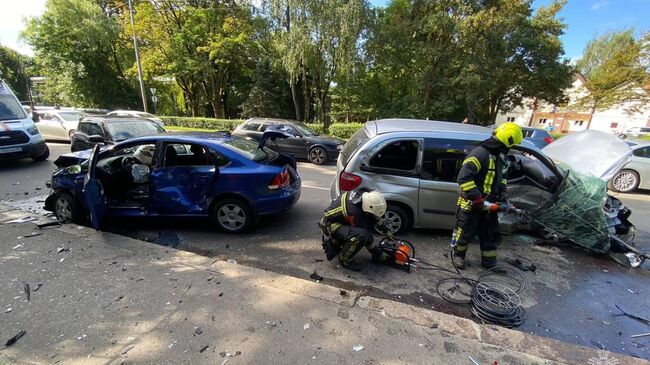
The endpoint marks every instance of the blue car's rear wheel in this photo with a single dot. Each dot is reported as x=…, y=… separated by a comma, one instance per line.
x=232, y=215
x=67, y=208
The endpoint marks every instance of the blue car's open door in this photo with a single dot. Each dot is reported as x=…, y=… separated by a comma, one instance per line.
x=93, y=191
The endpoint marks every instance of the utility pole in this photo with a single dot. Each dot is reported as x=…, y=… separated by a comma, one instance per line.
x=137, y=59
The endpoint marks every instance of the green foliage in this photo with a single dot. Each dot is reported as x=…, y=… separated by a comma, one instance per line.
x=267, y=97
x=76, y=48
x=12, y=71
x=202, y=123
x=344, y=130
x=613, y=65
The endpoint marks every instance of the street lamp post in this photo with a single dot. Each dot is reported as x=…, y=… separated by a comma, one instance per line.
x=137, y=59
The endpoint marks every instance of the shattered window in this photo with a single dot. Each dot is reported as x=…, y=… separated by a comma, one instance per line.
x=443, y=158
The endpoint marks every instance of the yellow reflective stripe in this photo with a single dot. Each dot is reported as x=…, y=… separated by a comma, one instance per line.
x=489, y=178
x=344, y=199
x=334, y=227
x=473, y=160
x=461, y=248
x=334, y=211
x=464, y=204
x=504, y=181
x=468, y=185
x=492, y=253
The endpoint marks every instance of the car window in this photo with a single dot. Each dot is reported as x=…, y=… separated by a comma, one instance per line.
x=399, y=155
x=642, y=152
x=265, y=125
x=70, y=116
x=305, y=130
x=84, y=128
x=251, y=126
x=357, y=140
x=95, y=129
x=289, y=129
x=123, y=130
x=443, y=158
x=250, y=149
x=185, y=154
x=528, y=133
x=10, y=108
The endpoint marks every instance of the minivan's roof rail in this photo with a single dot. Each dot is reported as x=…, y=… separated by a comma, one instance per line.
x=420, y=125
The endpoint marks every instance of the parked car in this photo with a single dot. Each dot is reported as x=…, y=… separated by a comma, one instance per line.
x=304, y=143
x=57, y=124
x=415, y=164
x=110, y=130
x=229, y=179
x=636, y=174
x=635, y=133
x=136, y=114
x=19, y=136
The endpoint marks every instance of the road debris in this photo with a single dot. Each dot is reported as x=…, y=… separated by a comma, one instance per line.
x=62, y=249
x=306, y=326
x=15, y=339
x=38, y=286
x=472, y=360
x=520, y=265
x=8, y=310
x=25, y=219
x=271, y=323
x=232, y=261
x=204, y=348
x=198, y=330
x=635, y=317
x=357, y=348
x=316, y=277
x=48, y=224
x=28, y=292
x=127, y=349
x=17, y=246
x=640, y=335
x=33, y=234
x=343, y=293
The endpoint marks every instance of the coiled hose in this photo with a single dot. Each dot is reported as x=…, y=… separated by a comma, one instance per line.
x=489, y=300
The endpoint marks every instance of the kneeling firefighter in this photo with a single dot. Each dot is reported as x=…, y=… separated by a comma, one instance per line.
x=482, y=187
x=348, y=223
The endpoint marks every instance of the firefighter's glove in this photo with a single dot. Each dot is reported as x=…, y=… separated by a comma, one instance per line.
x=477, y=203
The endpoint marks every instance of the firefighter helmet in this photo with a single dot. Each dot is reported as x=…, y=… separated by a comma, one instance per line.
x=509, y=134
x=373, y=202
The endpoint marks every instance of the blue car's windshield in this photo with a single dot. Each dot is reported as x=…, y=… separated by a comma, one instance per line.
x=249, y=149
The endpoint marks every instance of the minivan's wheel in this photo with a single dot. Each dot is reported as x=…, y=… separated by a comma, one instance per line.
x=67, y=208
x=397, y=220
x=232, y=215
x=317, y=156
x=43, y=156
x=625, y=181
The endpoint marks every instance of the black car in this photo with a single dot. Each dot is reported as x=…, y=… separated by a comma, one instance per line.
x=305, y=143
x=108, y=130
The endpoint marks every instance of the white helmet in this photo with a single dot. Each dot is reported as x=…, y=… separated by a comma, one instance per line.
x=373, y=202
x=144, y=153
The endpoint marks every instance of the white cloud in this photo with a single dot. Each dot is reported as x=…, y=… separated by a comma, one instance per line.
x=11, y=21
x=600, y=4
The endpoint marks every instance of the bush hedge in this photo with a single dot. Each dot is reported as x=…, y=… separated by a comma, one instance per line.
x=204, y=123
x=341, y=130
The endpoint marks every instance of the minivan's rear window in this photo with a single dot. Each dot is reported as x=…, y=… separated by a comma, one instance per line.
x=357, y=140
x=10, y=108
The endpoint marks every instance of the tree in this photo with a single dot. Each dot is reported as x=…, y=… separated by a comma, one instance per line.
x=317, y=40
x=615, y=72
x=12, y=71
x=267, y=96
x=76, y=48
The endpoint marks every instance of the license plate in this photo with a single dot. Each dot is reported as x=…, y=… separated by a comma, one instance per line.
x=10, y=150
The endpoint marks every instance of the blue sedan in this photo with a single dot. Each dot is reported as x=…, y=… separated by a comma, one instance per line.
x=229, y=179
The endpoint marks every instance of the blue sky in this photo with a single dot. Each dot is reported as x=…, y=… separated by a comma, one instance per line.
x=588, y=18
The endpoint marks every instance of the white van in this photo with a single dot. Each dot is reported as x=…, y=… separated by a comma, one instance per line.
x=19, y=137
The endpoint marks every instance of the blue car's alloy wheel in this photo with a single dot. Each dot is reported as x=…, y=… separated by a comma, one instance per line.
x=232, y=215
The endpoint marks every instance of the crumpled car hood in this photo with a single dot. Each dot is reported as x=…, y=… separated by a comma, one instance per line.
x=73, y=158
x=593, y=152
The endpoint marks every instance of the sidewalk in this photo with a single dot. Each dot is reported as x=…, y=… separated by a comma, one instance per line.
x=99, y=298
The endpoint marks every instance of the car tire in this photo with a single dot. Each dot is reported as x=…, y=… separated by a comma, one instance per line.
x=44, y=156
x=626, y=181
x=397, y=219
x=67, y=208
x=232, y=215
x=318, y=156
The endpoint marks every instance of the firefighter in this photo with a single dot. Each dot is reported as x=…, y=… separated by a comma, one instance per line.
x=348, y=223
x=481, y=179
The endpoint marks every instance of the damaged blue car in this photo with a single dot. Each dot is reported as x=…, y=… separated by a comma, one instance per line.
x=229, y=179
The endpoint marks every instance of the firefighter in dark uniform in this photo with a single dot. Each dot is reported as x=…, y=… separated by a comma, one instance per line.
x=348, y=224
x=481, y=179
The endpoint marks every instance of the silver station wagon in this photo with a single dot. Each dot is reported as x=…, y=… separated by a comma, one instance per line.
x=414, y=163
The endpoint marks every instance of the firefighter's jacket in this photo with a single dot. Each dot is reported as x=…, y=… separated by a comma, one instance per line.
x=346, y=210
x=481, y=174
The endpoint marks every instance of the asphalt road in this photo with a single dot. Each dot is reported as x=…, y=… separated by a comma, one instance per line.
x=571, y=296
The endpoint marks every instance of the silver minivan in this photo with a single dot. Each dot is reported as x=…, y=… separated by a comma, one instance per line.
x=414, y=163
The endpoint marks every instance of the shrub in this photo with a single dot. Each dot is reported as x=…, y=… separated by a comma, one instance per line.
x=203, y=123
x=344, y=130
